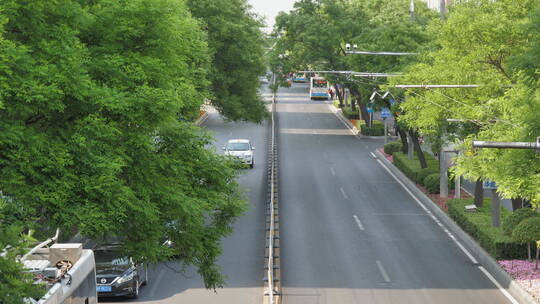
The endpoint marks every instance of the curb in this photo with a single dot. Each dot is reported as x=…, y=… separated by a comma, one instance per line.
x=354, y=129
x=484, y=259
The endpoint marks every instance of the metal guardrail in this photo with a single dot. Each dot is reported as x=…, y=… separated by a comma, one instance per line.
x=273, y=233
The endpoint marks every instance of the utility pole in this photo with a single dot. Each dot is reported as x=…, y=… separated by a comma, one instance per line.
x=411, y=9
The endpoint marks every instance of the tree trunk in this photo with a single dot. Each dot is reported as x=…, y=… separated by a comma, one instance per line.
x=363, y=108
x=418, y=149
x=537, y=253
x=339, y=95
x=529, y=251
x=517, y=203
x=478, y=193
x=403, y=137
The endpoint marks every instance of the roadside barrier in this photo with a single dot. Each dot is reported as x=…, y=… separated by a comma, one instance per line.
x=272, y=257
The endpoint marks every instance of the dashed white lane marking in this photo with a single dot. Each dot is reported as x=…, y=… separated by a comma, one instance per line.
x=373, y=154
x=357, y=220
x=332, y=171
x=452, y=237
x=383, y=271
x=343, y=193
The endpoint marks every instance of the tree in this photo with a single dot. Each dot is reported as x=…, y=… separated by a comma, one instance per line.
x=95, y=128
x=494, y=34
x=235, y=43
x=528, y=231
x=514, y=219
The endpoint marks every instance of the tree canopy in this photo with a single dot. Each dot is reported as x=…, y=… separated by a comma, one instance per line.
x=96, y=102
x=499, y=58
x=236, y=49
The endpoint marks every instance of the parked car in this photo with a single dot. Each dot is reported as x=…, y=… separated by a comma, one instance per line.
x=117, y=275
x=242, y=150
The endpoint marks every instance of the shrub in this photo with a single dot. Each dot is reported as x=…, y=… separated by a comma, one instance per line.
x=432, y=183
x=349, y=113
x=392, y=147
x=515, y=218
x=377, y=129
x=527, y=232
x=411, y=168
x=478, y=225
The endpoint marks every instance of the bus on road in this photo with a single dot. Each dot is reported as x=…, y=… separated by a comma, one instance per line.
x=300, y=77
x=319, y=88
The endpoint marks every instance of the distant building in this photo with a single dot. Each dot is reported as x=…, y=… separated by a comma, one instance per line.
x=438, y=5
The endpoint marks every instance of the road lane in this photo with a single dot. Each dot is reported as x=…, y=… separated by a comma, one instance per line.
x=243, y=252
x=401, y=255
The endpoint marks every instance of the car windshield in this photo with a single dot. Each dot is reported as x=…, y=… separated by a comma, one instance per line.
x=238, y=146
x=110, y=258
x=318, y=83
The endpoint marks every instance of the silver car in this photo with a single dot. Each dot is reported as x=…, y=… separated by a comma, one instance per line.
x=241, y=149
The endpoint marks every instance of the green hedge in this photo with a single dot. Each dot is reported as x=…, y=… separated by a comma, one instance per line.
x=377, y=129
x=432, y=183
x=411, y=168
x=478, y=225
x=349, y=113
x=392, y=147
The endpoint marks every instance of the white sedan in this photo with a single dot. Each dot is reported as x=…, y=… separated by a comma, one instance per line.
x=242, y=149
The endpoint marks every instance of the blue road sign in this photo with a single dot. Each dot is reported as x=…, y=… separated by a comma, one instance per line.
x=370, y=110
x=385, y=113
x=489, y=185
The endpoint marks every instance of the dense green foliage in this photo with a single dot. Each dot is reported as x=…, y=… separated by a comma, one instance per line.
x=527, y=231
x=376, y=129
x=237, y=57
x=513, y=220
x=500, y=57
x=478, y=225
x=95, y=108
x=432, y=183
x=412, y=169
x=350, y=113
x=392, y=147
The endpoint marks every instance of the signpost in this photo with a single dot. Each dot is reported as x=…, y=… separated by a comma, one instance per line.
x=495, y=202
x=385, y=113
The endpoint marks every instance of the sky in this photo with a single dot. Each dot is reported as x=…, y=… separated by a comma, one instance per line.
x=270, y=9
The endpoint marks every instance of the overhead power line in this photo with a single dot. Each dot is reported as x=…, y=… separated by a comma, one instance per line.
x=353, y=73
x=379, y=53
x=435, y=86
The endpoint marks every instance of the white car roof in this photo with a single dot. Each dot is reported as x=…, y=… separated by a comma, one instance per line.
x=238, y=141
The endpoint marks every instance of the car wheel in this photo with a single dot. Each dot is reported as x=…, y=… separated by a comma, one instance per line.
x=135, y=293
x=252, y=164
x=145, y=282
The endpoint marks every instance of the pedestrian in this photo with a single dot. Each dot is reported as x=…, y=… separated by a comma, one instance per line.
x=331, y=93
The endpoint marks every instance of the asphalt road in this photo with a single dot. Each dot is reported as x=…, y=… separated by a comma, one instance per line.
x=243, y=252
x=349, y=232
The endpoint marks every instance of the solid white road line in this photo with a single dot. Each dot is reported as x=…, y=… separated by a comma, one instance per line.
x=343, y=193
x=357, y=220
x=452, y=237
x=332, y=171
x=383, y=272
